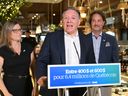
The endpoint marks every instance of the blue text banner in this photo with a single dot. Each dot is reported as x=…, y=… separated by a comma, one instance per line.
x=83, y=75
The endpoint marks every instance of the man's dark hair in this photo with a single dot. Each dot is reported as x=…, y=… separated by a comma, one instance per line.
x=28, y=31
x=97, y=12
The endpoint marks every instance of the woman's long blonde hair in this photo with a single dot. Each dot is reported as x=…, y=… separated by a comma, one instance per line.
x=5, y=33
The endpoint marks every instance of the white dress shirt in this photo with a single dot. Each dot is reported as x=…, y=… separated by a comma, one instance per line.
x=72, y=49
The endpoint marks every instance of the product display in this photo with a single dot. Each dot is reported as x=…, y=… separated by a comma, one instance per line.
x=121, y=90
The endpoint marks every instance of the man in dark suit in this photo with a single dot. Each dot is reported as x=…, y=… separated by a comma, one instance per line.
x=66, y=46
x=30, y=40
x=103, y=49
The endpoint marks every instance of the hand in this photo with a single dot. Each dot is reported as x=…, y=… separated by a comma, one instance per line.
x=8, y=94
x=42, y=81
x=5, y=93
x=35, y=91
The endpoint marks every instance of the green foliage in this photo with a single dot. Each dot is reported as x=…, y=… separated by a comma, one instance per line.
x=9, y=9
x=52, y=27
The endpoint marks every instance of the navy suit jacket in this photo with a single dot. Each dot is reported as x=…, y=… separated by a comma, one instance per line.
x=108, y=49
x=53, y=52
x=108, y=54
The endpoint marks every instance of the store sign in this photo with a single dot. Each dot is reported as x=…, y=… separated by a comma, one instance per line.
x=84, y=75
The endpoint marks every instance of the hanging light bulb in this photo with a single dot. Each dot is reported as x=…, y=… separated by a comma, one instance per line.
x=83, y=15
x=80, y=5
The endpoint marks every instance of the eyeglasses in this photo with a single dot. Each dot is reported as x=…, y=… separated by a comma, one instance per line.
x=16, y=30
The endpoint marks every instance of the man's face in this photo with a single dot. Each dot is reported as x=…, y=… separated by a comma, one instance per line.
x=97, y=23
x=70, y=21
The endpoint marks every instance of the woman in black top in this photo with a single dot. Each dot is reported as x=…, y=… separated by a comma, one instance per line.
x=15, y=61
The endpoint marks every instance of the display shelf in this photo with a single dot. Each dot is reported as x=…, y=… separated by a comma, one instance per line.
x=121, y=90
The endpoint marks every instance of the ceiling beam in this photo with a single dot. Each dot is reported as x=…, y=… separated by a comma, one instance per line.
x=44, y=1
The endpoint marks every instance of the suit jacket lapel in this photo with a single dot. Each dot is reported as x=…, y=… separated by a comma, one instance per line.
x=61, y=47
x=82, y=47
x=92, y=55
x=102, y=46
x=92, y=48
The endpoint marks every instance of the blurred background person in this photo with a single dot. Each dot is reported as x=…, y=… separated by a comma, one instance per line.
x=30, y=40
x=15, y=60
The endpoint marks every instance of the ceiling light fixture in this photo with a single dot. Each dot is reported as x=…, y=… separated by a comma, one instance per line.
x=122, y=5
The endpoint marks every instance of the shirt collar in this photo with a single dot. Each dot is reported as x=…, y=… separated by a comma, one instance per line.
x=93, y=35
x=76, y=35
